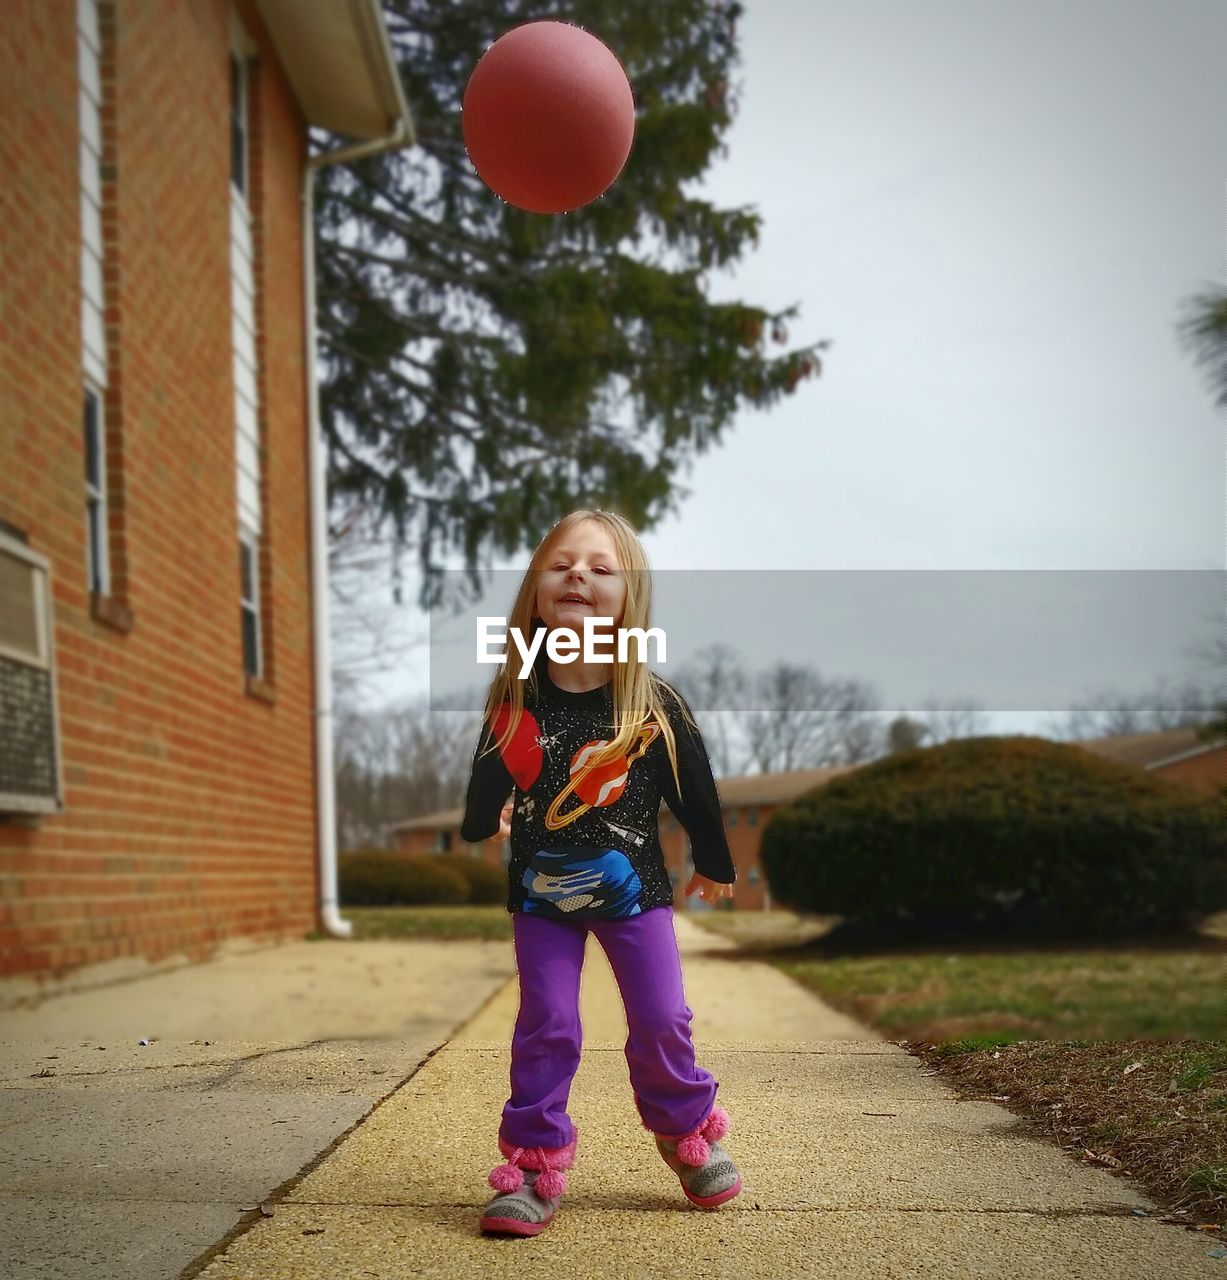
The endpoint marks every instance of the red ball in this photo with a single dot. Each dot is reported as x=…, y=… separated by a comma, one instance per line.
x=548, y=117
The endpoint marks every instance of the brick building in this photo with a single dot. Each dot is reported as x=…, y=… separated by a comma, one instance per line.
x=749, y=800
x=160, y=499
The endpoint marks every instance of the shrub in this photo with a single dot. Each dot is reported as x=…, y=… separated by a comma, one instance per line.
x=995, y=831
x=487, y=884
x=378, y=878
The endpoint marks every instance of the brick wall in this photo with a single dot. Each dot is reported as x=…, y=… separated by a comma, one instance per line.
x=189, y=814
x=1206, y=771
x=749, y=890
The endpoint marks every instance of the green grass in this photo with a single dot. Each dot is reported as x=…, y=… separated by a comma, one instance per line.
x=482, y=923
x=1042, y=995
x=977, y=998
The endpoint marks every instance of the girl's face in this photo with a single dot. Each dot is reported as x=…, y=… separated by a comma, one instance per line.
x=581, y=578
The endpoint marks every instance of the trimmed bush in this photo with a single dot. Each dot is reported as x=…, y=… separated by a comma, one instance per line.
x=379, y=878
x=487, y=884
x=1001, y=832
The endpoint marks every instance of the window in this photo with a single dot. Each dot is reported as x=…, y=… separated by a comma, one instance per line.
x=238, y=122
x=244, y=291
x=732, y=821
x=753, y=876
x=96, y=494
x=93, y=295
x=752, y=817
x=249, y=592
x=443, y=842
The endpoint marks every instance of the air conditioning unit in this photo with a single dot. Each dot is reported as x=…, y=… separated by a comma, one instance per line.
x=31, y=775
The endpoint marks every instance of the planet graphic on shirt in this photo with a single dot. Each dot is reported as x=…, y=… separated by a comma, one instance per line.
x=596, y=785
x=522, y=755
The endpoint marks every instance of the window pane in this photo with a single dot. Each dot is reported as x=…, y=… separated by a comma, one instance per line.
x=94, y=524
x=237, y=148
x=251, y=643
x=93, y=459
x=247, y=573
x=238, y=124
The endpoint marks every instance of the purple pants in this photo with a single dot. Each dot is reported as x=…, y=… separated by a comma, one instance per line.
x=672, y=1094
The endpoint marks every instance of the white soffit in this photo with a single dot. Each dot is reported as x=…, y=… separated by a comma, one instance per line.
x=339, y=60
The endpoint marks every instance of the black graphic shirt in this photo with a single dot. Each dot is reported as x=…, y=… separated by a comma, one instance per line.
x=584, y=840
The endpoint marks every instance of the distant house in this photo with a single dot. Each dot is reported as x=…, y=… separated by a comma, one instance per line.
x=749, y=800
x=1177, y=755
x=161, y=525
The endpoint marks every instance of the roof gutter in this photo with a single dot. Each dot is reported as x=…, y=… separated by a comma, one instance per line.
x=402, y=135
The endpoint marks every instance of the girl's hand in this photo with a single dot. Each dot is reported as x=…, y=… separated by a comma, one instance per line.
x=708, y=890
x=504, y=820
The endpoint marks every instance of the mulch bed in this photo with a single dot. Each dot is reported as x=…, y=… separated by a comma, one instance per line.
x=1154, y=1111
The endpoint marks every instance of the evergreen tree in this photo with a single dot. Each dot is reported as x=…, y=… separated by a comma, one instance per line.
x=1203, y=331
x=486, y=369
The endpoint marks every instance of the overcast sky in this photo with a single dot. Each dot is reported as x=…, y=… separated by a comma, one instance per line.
x=995, y=212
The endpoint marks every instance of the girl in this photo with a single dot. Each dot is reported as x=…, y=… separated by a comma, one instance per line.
x=590, y=749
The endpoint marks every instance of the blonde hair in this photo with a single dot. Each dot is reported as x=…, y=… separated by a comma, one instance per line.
x=637, y=693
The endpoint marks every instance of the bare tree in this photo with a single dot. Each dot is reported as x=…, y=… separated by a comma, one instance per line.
x=714, y=682
x=1211, y=655
x=1112, y=713
x=373, y=633
x=400, y=762
x=799, y=720
x=942, y=723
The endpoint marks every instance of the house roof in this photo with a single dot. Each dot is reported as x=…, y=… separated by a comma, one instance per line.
x=1151, y=750
x=339, y=60
x=1144, y=750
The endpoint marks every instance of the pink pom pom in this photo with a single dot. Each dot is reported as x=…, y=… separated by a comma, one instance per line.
x=693, y=1150
x=507, y=1177
x=716, y=1125
x=551, y=1183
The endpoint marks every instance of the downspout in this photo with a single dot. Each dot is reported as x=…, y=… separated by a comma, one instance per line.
x=325, y=778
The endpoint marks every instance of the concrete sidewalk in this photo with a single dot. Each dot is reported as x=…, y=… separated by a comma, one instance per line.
x=854, y=1159
x=125, y=1160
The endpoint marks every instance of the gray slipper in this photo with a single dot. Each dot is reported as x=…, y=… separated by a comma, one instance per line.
x=519, y=1209
x=707, y=1174
x=708, y=1184
x=521, y=1212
